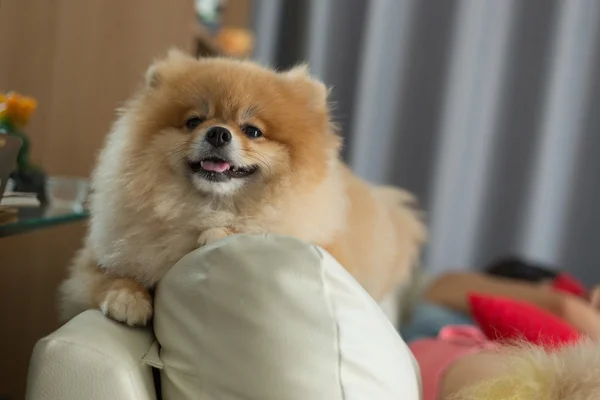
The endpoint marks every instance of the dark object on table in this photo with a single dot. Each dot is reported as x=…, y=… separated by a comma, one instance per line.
x=517, y=268
x=31, y=181
x=9, y=150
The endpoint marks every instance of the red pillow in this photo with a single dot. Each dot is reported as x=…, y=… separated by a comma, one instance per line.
x=567, y=283
x=504, y=319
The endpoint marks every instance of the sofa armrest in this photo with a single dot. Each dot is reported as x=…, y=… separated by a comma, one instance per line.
x=92, y=358
x=269, y=317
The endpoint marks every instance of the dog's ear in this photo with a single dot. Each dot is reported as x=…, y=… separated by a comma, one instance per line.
x=300, y=71
x=156, y=71
x=300, y=75
x=153, y=78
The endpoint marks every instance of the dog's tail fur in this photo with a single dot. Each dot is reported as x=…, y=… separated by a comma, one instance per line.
x=569, y=373
x=408, y=208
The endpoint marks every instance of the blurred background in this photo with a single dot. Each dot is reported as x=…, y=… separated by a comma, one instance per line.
x=488, y=110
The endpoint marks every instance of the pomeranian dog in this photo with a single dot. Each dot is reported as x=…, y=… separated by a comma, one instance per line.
x=213, y=147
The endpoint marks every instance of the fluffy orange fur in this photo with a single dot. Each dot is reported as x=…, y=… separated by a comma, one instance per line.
x=148, y=209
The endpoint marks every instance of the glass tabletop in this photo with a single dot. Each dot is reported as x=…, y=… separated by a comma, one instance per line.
x=27, y=219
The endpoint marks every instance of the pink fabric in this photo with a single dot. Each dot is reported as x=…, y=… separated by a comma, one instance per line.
x=436, y=355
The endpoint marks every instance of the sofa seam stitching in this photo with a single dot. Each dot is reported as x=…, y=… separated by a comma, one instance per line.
x=331, y=308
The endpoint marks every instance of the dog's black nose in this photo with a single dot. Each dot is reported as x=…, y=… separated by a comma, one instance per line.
x=218, y=136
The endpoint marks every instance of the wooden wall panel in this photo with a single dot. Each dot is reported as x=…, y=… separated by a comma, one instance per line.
x=27, y=46
x=80, y=59
x=238, y=14
x=31, y=269
x=101, y=56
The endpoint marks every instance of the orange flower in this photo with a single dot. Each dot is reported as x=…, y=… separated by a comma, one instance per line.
x=18, y=109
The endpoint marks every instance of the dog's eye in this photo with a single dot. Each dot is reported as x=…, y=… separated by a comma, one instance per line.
x=193, y=122
x=252, y=132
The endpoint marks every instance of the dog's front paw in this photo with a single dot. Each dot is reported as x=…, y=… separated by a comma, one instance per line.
x=127, y=301
x=212, y=235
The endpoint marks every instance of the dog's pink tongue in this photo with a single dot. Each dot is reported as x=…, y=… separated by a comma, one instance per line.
x=215, y=166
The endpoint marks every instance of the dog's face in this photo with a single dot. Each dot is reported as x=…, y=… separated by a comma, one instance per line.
x=229, y=126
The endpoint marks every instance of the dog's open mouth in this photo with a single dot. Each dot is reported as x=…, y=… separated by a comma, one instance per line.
x=219, y=170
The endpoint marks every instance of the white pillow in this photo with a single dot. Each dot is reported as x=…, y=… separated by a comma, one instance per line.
x=267, y=317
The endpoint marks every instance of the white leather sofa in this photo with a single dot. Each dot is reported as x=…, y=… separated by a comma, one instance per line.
x=259, y=317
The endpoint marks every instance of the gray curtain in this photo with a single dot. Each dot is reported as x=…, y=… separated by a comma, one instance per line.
x=489, y=110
